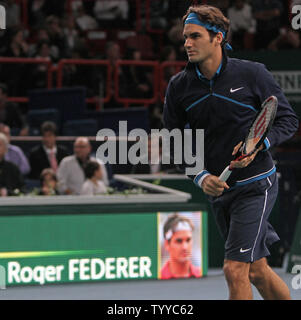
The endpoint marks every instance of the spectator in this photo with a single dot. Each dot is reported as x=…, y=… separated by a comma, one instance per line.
x=10, y=176
x=12, y=13
x=18, y=47
x=112, y=54
x=154, y=163
x=111, y=12
x=268, y=17
x=242, y=24
x=48, y=154
x=71, y=33
x=84, y=21
x=48, y=183
x=10, y=113
x=139, y=79
x=288, y=39
x=58, y=41
x=93, y=184
x=15, y=154
x=175, y=37
x=71, y=175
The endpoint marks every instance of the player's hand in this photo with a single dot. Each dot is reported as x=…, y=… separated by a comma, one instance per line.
x=212, y=186
x=245, y=161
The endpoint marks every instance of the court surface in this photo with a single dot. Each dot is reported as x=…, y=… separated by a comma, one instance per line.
x=211, y=287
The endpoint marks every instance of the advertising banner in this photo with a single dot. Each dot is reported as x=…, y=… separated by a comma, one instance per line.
x=94, y=247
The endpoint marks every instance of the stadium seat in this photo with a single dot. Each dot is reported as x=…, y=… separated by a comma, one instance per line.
x=70, y=102
x=36, y=117
x=136, y=117
x=85, y=127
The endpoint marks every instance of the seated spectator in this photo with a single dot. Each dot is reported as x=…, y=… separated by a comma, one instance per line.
x=58, y=41
x=10, y=176
x=93, y=184
x=48, y=154
x=48, y=183
x=15, y=154
x=71, y=171
x=268, y=18
x=71, y=33
x=139, y=79
x=154, y=163
x=84, y=21
x=288, y=39
x=13, y=15
x=242, y=25
x=111, y=12
x=18, y=47
x=10, y=113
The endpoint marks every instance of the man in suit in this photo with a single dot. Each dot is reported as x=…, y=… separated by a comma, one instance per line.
x=48, y=154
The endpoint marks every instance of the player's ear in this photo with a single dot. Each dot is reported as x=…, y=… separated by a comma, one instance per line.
x=219, y=38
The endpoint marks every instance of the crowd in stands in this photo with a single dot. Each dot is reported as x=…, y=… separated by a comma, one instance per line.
x=62, y=29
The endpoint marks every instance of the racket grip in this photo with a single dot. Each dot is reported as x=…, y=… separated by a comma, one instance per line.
x=225, y=174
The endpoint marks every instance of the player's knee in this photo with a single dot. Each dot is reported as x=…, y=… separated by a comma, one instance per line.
x=257, y=273
x=235, y=271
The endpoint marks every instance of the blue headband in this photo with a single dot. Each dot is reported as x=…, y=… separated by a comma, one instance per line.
x=194, y=19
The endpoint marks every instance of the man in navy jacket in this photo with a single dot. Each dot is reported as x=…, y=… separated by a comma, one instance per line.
x=222, y=96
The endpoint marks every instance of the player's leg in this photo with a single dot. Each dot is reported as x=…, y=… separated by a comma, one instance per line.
x=267, y=282
x=237, y=276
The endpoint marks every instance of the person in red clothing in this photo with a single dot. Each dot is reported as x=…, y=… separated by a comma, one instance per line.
x=178, y=242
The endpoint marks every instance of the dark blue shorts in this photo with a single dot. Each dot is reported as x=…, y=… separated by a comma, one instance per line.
x=242, y=218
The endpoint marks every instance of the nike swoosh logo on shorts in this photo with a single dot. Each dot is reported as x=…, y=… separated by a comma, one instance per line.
x=233, y=90
x=244, y=250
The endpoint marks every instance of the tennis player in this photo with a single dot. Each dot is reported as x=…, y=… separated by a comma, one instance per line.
x=222, y=96
x=178, y=242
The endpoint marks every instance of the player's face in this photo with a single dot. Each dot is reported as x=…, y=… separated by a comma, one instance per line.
x=180, y=246
x=198, y=44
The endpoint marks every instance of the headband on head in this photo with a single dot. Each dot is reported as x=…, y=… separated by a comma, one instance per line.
x=181, y=226
x=194, y=19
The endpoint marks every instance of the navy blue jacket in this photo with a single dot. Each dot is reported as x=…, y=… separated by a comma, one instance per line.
x=225, y=108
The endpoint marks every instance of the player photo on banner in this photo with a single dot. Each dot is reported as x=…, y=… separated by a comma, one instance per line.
x=180, y=245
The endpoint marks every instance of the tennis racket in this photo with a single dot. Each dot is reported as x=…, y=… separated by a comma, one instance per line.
x=257, y=133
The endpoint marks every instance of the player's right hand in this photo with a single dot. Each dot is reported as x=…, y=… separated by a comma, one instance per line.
x=212, y=186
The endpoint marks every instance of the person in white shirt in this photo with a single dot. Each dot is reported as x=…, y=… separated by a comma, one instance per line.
x=93, y=184
x=242, y=25
x=71, y=175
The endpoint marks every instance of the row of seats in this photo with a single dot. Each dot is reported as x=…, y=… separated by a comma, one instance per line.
x=66, y=107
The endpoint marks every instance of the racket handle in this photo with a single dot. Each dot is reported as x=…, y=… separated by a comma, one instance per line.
x=225, y=174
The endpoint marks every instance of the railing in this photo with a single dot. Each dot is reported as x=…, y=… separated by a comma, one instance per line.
x=29, y=61
x=174, y=67
x=159, y=81
x=64, y=62
x=127, y=100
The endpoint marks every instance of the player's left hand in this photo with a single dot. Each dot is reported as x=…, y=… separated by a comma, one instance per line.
x=245, y=161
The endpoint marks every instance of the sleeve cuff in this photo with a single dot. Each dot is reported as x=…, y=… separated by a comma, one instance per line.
x=267, y=144
x=198, y=180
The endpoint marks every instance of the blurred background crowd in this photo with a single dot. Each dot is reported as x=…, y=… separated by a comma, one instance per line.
x=33, y=153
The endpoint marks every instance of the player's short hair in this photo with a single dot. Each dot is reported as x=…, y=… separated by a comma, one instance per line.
x=211, y=15
x=172, y=222
x=48, y=126
x=90, y=168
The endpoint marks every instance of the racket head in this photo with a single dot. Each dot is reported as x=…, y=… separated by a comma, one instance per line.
x=260, y=126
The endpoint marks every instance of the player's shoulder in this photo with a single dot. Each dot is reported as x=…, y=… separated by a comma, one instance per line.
x=180, y=77
x=245, y=65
